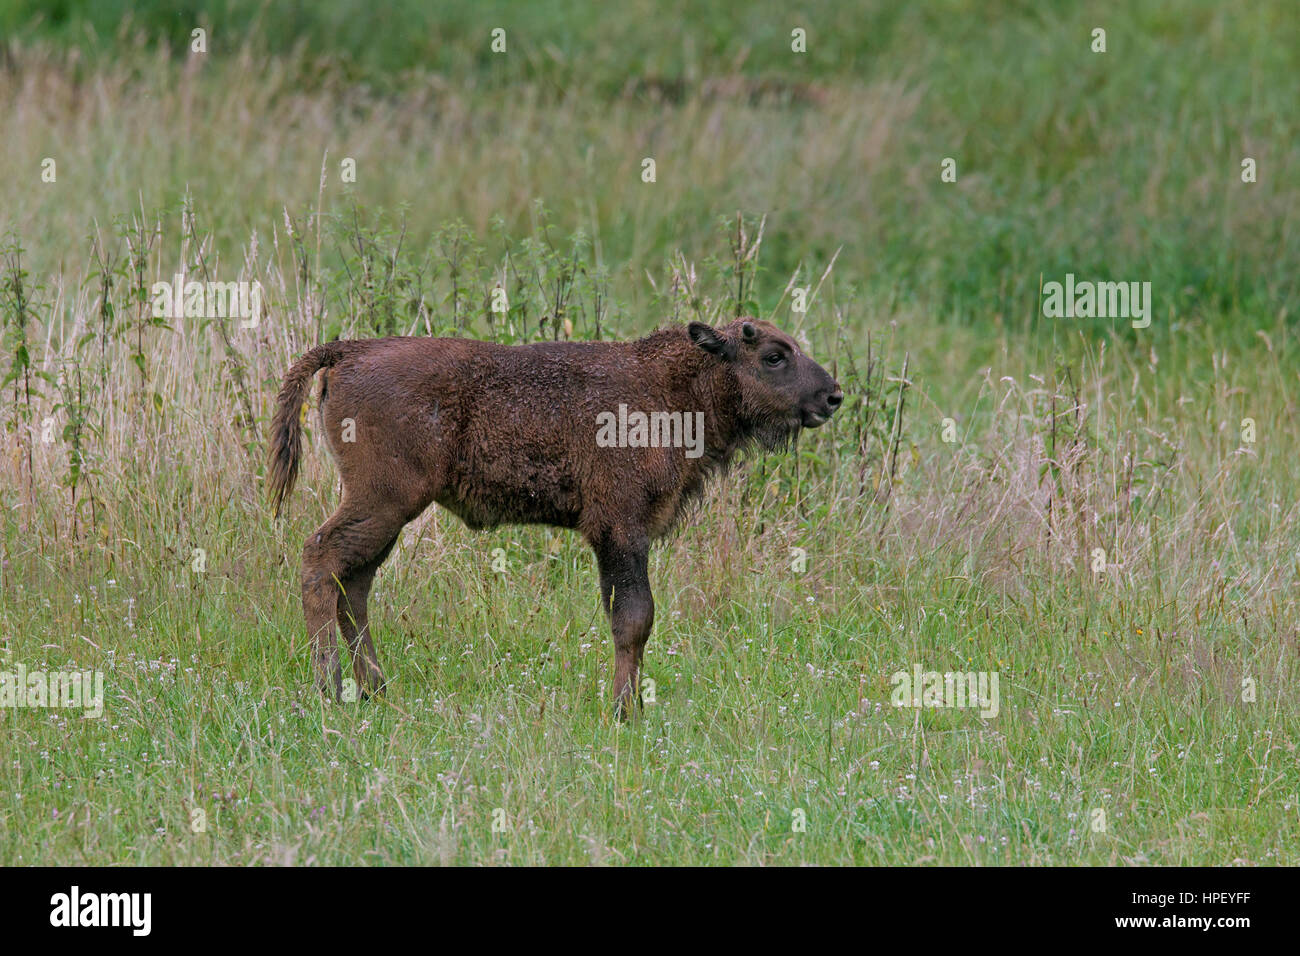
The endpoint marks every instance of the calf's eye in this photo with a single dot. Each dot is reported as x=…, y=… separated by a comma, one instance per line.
x=774, y=359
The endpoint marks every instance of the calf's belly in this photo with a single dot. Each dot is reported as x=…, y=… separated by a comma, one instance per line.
x=513, y=491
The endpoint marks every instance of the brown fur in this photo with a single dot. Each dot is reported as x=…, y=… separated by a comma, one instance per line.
x=499, y=434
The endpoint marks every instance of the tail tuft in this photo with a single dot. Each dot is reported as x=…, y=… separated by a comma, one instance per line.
x=286, y=424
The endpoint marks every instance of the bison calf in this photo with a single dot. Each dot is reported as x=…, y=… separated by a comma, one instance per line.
x=540, y=434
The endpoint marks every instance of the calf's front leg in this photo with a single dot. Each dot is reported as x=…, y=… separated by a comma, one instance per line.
x=626, y=598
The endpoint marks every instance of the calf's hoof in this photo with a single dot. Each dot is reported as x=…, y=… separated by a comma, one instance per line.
x=626, y=707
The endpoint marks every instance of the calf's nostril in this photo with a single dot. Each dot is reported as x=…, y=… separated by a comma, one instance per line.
x=834, y=399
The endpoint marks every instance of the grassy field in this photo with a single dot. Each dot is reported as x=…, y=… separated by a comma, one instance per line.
x=1103, y=516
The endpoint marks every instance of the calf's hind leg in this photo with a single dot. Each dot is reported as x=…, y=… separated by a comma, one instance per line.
x=333, y=558
x=354, y=622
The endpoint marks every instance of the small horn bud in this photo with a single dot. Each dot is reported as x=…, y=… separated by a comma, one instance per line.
x=748, y=332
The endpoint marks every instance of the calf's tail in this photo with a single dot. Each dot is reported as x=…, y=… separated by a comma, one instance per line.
x=286, y=423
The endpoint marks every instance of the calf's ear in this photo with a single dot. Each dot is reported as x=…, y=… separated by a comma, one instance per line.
x=709, y=339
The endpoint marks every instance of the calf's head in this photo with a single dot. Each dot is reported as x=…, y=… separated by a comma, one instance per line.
x=781, y=388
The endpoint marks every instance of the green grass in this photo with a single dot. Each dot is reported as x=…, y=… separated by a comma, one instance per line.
x=772, y=695
x=1125, y=163
x=1121, y=690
